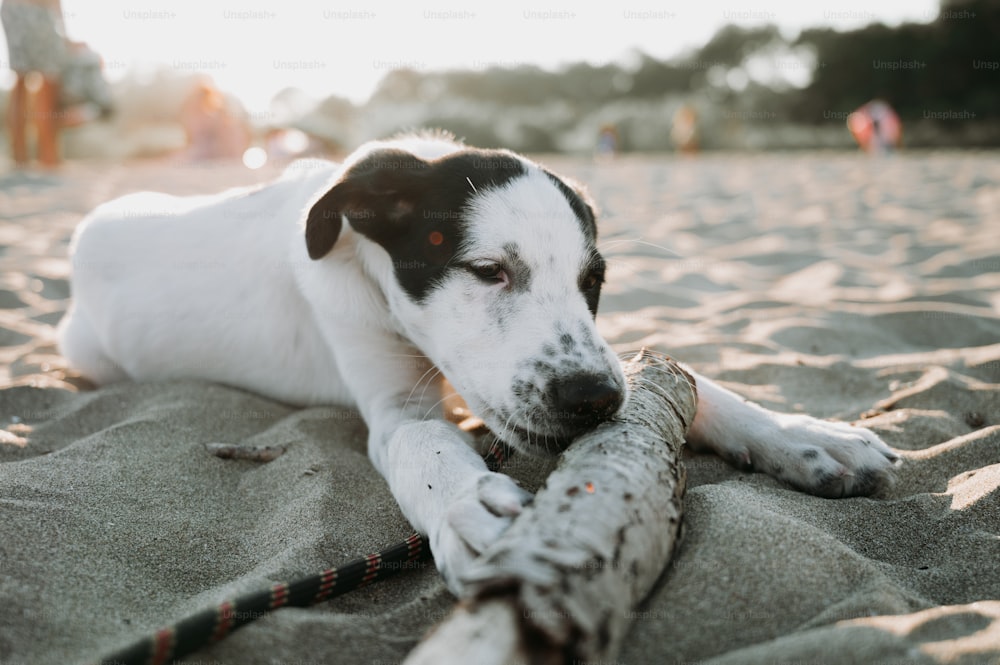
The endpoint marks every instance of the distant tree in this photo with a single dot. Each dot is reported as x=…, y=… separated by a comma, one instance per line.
x=949, y=64
x=731, y=45
x=655, y=78
x=398, y=85
x=916, y=67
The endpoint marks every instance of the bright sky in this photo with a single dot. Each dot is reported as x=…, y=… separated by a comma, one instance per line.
x=254, y=48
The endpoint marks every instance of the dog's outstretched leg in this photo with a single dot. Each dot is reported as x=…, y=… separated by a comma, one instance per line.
x=442, y=485
x=824, y=458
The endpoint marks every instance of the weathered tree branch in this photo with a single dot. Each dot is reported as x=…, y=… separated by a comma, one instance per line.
x=560, y=583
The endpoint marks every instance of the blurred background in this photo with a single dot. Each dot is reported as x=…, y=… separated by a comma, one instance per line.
x=263, y=82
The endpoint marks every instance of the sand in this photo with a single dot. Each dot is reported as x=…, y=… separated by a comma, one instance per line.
x=828, y=284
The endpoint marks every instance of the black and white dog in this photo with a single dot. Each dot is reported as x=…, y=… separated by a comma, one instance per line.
x=367, y=283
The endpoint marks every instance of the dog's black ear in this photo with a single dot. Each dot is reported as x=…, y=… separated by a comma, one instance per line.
x=374, y=194
x=324, y=223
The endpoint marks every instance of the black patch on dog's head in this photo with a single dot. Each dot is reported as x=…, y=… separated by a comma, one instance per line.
x=414, y=208
x=591, y=280
x=581, y=205
x=592, y=275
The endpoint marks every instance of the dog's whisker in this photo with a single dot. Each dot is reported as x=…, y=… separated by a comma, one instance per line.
x=655, y=388
x=427, y=378
x=509, y=432
x=638, y=241
x=671, y=371
x=659, y=389
x=436, y=404
x=431, y=380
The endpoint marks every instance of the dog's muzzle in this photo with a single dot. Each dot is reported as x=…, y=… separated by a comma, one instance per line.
x=581, y=402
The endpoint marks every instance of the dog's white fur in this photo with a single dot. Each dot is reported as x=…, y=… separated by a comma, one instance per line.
x=222, y=288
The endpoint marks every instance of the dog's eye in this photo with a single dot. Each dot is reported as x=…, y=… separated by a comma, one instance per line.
x=591, y=281
x=491, y=273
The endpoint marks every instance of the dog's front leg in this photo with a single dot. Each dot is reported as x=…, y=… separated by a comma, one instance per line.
x=825, y=458
x=440, y=482
x=445, y=490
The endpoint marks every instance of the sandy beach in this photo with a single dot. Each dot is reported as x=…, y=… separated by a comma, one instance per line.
x=832, y=284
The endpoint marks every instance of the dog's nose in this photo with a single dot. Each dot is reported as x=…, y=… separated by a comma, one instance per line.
x=583, y=401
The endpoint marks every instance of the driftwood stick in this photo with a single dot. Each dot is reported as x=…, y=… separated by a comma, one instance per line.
x=559, y=584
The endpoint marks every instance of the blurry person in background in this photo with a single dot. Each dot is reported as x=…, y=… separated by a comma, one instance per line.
x=685, y=130
x=876, y=127
x=38, y=51
x=607, y=142
x=84, y=94
x=214, y=130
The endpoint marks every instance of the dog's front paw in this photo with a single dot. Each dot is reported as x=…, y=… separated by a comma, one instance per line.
x=478, y=514
x=834, y=460
x=828, y=459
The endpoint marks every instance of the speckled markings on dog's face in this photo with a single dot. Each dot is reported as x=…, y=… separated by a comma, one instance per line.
x=507, y=312
x=489, y=267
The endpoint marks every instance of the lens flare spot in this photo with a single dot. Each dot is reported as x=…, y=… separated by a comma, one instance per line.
x=254, y=158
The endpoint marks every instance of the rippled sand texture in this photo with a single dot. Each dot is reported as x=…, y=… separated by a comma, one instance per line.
x=830, y=284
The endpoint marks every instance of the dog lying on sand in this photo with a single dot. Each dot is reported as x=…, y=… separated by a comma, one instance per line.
x=368, y=283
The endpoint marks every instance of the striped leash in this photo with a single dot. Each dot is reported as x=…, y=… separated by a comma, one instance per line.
x=213, y=624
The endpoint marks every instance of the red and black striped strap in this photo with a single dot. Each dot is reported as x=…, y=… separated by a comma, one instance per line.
x=211, y=625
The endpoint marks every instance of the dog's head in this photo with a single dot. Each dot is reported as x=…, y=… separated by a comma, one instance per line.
x=496, y=277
